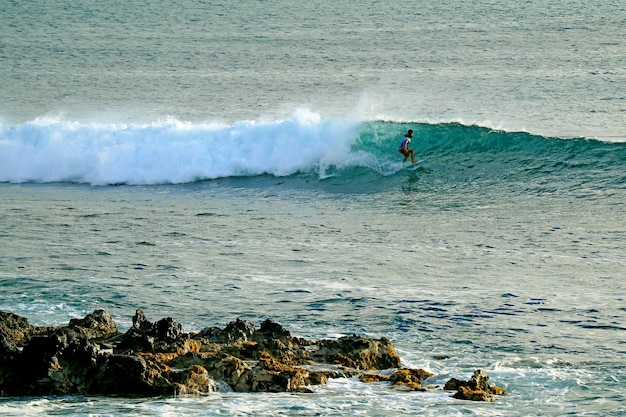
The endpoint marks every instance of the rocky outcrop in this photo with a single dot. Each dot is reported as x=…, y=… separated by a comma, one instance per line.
x=476, y=389
x=96, y=326
x=357, y=352
x=90, y=356
x=408, y=379
x=13, y=328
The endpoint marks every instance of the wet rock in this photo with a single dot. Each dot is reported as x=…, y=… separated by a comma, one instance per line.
x=479, y=380
x=125, y=374
x=475, y=389
x=467, y=393
x=357, y=352
x=14, y=328
x=496, y=390
x=90, y=356
x=15, y=332
x=95, y=326
x=235, y=332
x=7, y=347
x=194, y=380
x=405, y=378
x=168, y=329
x=410, y=378
x=54, y=364
x=371, y=378
x=272, y=330
x=140, y=322
x=165, y=335
x=269, y=375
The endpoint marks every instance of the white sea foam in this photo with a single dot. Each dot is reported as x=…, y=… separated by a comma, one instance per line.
x=171, y=151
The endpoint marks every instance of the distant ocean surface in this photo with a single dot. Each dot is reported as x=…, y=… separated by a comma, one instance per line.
x=212, y=160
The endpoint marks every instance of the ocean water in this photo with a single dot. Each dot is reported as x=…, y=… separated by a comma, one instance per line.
x=208, y=161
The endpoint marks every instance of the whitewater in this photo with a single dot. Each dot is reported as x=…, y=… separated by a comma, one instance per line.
x=174, y=152
x=170, y=152
x=209, y=161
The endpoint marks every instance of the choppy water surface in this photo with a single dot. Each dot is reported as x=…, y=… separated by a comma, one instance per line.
x=208, y=161
x=528, y=288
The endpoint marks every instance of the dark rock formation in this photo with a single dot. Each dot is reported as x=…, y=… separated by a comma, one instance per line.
x=53, y=364
x=90, y=356
x=476, y=389
x=237, y=331
x=410, y=379
x=96, y=326
x=13, y=328
x=357, y=352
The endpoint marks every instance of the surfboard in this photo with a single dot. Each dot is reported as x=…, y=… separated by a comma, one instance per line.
x=415, y=165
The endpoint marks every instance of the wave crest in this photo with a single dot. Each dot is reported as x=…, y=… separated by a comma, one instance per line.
x=172, y=152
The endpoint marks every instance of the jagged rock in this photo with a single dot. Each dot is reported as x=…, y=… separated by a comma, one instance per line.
x=7, y=347
x=98, y=325
x=496, y=390
x=370, y=378
x=234, y=372
x=272, y=330
x=90, y=357
x=14, y=328
x=123, y=374
x=134, y=341
x=168, y=329
x=165, y=335
x=235, y=332
x=467, y=393
x=276, y=340
x=476, y=389
x=479, y=380
x=140, y=322
x=453, y=384
x=270, y=375
x=54, y=364
x=410, y=378
x=357, y=352
x=194, y=380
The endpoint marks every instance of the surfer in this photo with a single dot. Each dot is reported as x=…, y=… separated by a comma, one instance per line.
x=404, y=147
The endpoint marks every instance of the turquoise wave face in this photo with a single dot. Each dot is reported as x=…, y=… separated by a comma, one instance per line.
x=457, y=142
x=474, y=156
x=363, y=154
